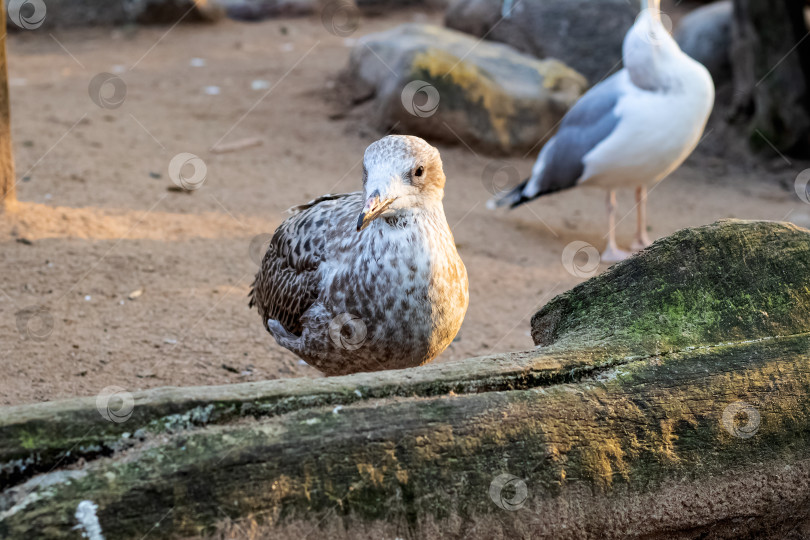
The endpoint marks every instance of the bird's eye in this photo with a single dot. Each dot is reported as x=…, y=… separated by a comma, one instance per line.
x=419, y=171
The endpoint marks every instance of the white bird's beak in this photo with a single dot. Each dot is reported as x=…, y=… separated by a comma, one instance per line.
x=654, y=6
x=372, y=209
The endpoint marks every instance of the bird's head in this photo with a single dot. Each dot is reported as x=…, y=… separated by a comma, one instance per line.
x=652, y=5
x=649, y=50
x=649, y=23
x=400, y=172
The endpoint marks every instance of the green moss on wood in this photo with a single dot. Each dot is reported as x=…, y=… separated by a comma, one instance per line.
x=631, y=429
x=725, y=282
x=35, y=438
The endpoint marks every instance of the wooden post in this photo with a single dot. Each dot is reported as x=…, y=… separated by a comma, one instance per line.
x=7, y=179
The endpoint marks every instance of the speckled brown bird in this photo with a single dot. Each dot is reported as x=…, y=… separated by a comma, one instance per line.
x=369, y=280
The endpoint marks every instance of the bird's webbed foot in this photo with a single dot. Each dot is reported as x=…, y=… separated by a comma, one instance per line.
x=282, y=336
x=613, y=254
x=641, y=242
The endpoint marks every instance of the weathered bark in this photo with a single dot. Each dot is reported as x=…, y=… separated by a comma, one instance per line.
x=612, y=437
x=7, y=180
x=771, y=64
x=730, y=281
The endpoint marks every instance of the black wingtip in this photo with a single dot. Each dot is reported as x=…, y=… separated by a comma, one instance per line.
x=511, y=198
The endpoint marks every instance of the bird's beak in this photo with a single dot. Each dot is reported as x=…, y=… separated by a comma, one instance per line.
x=374, y=207
x=653, y=5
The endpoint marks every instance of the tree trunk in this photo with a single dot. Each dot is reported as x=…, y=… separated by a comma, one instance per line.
x=600, y=434
x=7, y=179
x=771, y=63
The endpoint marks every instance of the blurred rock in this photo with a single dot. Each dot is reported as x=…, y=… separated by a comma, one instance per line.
x=705, y=35
x=585, y=34
x=380, y=7
x=445, y=85
x=80, y=13
x=343, y=10
x=208, y=10
x=257, y=10
x=171, y=11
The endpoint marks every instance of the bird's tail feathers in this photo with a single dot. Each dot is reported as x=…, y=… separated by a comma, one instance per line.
x=512, y=198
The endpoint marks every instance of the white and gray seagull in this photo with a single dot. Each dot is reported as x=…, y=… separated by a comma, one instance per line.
x=631, y=130
x=368, y=280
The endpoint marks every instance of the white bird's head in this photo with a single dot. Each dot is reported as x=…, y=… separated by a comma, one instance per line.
x=650, y=24
x=650, y=52
x=654, y=5
x=400, y=172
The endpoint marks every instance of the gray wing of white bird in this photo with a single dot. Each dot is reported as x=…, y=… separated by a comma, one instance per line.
x=561, y=162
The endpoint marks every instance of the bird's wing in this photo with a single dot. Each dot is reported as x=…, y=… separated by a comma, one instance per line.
x=590, y=121
x=560, y=164
x=288, y=282
x=314, y=202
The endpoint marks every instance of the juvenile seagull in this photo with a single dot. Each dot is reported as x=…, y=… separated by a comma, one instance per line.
x=631, y=130
x=369, y=280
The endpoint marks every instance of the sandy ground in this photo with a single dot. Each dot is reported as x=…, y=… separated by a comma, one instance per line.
x=96, y=221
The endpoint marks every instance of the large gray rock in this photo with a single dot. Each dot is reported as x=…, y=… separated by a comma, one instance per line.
x=705, y=35
x=585, y=34
x=444, y=85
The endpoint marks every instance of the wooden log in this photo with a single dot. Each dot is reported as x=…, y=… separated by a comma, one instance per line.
x=7, y=180
x=583, y=438
x=729, y=281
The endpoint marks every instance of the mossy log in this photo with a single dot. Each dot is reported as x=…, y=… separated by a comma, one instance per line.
x=696, y=426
